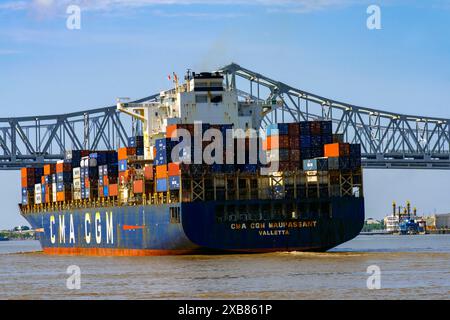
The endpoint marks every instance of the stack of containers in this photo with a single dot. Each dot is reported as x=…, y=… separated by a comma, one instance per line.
x=161, y=178
x=138, y=143
x=47, y=183
x=77, y=185
x=111, y=175
x=278, y=142
x=294, y=146
x=124, y=155
x=338, y=156
x=63, y=181
x=89, y=177
x=174, y=175
x=164, y=147
x=38, y=193
x=29, y=177
x=355, y=156
x=316, y=139
x=107, y=175
x=74, y=158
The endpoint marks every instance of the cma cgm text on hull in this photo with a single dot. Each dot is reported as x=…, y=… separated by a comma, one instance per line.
x=219, y=186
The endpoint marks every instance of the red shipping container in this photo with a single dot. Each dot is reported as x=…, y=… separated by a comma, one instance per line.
x=101, y=193
x=315, y=128
x=294, y=156
x=294, y=129
x=113, y=190
x=294, y=142
x=174, y=169
x=138, y=186
x=148, y=173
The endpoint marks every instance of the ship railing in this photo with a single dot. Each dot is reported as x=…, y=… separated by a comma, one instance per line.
x=226, y=187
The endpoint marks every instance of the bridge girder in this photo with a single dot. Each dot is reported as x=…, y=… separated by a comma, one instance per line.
x=388, y=140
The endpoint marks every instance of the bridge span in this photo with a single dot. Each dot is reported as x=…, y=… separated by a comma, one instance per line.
x=388, y=139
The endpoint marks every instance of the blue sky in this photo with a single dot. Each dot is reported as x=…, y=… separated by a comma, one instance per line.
x=127, y=48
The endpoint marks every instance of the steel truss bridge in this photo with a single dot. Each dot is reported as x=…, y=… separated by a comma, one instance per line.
x=388, y=140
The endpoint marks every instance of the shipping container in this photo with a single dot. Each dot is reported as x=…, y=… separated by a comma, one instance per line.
x=161, y=185
x=148, y=172
x=123, y=165
x=113, y=190
x=125, y=153
x=173, y=169
x=336, y=150
x=174, y=182
x=161, y=171
x=49, y=169
x=138, y=186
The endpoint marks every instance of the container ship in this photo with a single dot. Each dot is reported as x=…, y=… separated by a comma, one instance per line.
x=200, y=176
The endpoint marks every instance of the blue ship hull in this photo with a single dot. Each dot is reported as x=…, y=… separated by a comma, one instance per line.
x=199, y=227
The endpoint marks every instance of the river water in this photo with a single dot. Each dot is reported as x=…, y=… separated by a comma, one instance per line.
x=411, y=267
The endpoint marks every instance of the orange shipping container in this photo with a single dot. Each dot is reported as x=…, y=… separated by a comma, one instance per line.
x=148, y=173
x=174, y=169
x=138, y=186
x=113, y=190
x=49, y=169
x=336, y=149
x=124, y=153
x=161, y=171
x=171, y=130
x=277, y=142
x=43, y=180
x=63, y=196
x=63, y=167
x=26, y=172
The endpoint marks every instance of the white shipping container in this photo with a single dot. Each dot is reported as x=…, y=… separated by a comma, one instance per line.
x=77, y=183
x=37, y=198
x=54, y=197
x=38, y=188
x=84, y=162
x=77, y=195
x=76, y=173
x=60, y=161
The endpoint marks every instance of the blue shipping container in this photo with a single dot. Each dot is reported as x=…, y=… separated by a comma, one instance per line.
x=123, y=165
x=174, y=182
x=161, y=185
